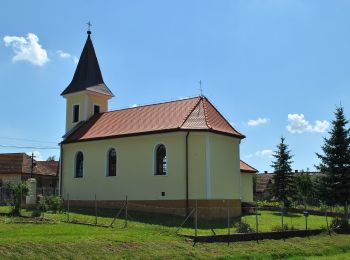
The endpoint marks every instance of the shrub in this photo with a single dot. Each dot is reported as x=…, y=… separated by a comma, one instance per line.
x=55, y=203
x=36, y=212
x=18, y=190
x=278, y=228
x=243, y=227
x=266, y=203
x=339, y=223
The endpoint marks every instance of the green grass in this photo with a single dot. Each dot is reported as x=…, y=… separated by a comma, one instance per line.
x=267, y=220
x=150, y=236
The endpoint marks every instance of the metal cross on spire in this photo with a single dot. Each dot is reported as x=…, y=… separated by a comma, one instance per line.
x=200, y=88
x=89, y=27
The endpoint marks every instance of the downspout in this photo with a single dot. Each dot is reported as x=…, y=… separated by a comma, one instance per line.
x=187, y=201
x=60, y=170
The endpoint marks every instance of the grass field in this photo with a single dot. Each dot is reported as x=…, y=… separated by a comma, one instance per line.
x=148, y=240
x=267, y=220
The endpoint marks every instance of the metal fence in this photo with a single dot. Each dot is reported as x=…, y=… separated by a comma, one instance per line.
x=196, y=221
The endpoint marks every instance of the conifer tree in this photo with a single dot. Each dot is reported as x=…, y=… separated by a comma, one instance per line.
x=283, y=184
x=334, y=186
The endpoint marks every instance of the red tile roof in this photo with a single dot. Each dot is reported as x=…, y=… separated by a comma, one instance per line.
x=186, y=114
x=17, y=163
x=246, y=167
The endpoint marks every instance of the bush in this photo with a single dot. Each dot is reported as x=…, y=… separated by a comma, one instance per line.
x=18, y=191
x=266, y=203
x=36, y=213
x=243, y=227
x=55, y=203
x=278, y=228
x=339, y=223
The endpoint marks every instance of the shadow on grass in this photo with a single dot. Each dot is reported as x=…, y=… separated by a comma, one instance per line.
x=163, y=219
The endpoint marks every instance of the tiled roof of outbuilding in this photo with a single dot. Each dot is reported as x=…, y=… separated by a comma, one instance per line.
x=245, y=167
x=187, y=114
x=21, y=163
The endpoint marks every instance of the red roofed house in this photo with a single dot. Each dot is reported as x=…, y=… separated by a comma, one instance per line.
x=163, y=156
x=16, y=167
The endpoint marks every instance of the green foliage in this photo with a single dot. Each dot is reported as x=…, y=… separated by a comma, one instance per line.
x=243, y=227
x=18, y=190
x=36, y=213
x=304, y=189
x=278, y=228
x=55, y=204
x=283, y=186
x=266, y=203
x=51, y=158
x=334, y=186
x=339, y=223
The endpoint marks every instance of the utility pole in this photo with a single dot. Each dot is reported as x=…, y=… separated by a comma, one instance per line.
x=32, y=165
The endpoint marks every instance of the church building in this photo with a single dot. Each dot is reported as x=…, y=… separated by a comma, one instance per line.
x=162, y=156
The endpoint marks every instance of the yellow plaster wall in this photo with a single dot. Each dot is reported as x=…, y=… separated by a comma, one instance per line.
x=86, y=101
x=135, y=168
x=72, y=100
x=247, y=187
x=224, y=167
x=196, y=165
x=100, y=100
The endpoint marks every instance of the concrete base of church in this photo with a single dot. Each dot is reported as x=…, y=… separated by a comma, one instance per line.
x=207, y=209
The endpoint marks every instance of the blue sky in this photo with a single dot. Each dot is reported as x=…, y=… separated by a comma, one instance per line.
x=272, y=68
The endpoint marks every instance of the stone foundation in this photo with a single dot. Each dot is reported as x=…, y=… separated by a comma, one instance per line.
x=207, y=209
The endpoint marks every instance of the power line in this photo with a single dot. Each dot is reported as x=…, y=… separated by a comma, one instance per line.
x=29, y=140
x=30, y=147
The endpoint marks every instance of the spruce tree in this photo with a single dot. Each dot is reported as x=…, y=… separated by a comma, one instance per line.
x=283, y=184
x=334, y=186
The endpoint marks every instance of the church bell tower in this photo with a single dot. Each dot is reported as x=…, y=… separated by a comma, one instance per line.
x=87, y=94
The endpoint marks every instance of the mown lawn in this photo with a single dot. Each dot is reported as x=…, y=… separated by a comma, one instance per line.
x=148, y=240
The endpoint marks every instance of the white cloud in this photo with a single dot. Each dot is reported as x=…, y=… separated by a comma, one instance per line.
x=259, y=121
x=134, y=105
x=37, y=155
x=298, y=124
x=66, y=55
x=63, y=55
x=27, y=49
x=261, y=153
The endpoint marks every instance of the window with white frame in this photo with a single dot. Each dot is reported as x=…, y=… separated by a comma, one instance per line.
x=160, y=160
x=112, y=162
x=75, y=113
x=79, y=165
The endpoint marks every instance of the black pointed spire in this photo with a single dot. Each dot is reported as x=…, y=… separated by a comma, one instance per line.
x=88, y=75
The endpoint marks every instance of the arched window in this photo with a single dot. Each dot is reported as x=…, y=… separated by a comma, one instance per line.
x=160, y=162
x=79, y=165
x=112, y=163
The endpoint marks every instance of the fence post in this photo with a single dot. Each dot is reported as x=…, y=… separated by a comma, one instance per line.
x=282, y=214
x=44, y=207
x=95, y=210
x=257, y=224
x=306, y=224
x=195, y=220
x=329, y=232
x=228, y=220
x=126, y=211
x=67, y=206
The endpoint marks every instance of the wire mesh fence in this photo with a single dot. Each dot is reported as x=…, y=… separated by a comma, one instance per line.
x=194, y=221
